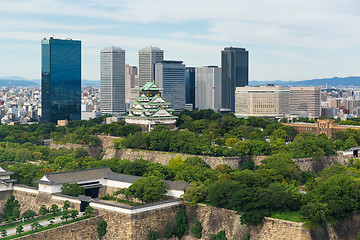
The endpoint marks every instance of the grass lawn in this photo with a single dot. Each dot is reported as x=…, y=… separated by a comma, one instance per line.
x=46, y=228
x=288, y=216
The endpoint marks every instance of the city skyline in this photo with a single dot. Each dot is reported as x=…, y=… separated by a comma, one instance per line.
x=318, y=40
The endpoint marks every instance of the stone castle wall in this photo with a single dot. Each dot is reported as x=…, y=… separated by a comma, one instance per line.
x=215, y=219
x=107, y=146
x=34, y=201
x=164, y=157
x=93, y=151
x=272, y=229
x=82, y=230
x=315, y=166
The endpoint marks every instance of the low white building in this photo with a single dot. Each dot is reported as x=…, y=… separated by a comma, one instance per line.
x=94, y=179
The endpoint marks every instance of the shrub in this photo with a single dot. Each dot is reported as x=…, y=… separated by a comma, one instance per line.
x=197, y=228
x=101, y=229
x=169, y=231
x=152, y=235
x=182, y=226
x=218, y=236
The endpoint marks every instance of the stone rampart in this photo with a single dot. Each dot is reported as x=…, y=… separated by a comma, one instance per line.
x=272, y=229
x=82, y=230
x=93, y=151
x=164, y=157
x=215, y=219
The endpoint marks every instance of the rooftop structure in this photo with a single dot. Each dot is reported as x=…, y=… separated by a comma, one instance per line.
x=94, y=179
x=150, y=109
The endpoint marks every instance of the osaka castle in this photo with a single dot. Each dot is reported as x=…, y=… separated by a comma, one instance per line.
x=150, y=109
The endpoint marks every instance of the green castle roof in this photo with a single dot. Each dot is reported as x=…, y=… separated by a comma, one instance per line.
x=150, y=86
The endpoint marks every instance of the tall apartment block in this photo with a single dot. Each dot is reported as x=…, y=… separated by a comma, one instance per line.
x=112, y=80
x=130, y=75
x=235, y=73
x=148, y=57
x=60, y=79
x=190, y=87
x=208, y=87
x=170, y=75
x=262, y=101
x=306, y=99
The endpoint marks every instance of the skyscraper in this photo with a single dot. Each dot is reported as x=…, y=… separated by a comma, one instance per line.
x=208, y=87
x=130, y=74
x=306, y=99
x=112, y=80
x=190, y=86
x=170, y=75
x=60, y=79
x=235, y=73
x=148, y=56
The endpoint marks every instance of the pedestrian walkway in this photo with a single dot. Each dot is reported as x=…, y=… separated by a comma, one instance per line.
x=44, y=223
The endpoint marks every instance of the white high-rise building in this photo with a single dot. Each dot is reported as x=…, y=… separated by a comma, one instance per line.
x=148, y=57
x=208, y=87
x=112, y=80
x=306, y=99
x=170, y=75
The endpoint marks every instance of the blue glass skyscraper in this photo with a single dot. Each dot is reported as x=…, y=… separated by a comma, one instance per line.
x=60, y=79
x=235, y=73
x=190, y=86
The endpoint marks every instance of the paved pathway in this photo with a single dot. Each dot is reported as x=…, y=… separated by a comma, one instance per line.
x=44, y=223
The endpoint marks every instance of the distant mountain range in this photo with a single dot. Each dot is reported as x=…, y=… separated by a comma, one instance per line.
x=331, y=82
x=17, y=81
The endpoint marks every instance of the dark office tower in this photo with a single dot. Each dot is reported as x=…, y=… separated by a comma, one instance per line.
x=60, y=79
x=190, y=86
x=235, y=73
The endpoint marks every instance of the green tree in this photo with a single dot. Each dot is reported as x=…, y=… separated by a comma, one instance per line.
x=147, y=189
x=54, y=208
x=11, y=209
x=65, y=215
x=74, y=214
x=177, y=163
x=89, y=211
x=196, y=192
x=28, y=214
x=197, y=228
x=349, y=143
x=51, y=221
x=284, y=165
x=19, y=229
x=101, y=228
x=72, y=189
x=3, y=233
x=35, y=226
x=66, y=205
x=182, y=226
x=43, y=210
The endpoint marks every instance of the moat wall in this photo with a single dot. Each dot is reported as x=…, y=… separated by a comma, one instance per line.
x=137, y=226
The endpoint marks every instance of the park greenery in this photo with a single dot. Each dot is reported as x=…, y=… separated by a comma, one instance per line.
x=271, y=189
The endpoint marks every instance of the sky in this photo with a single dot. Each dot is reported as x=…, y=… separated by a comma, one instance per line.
x=286, y=39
